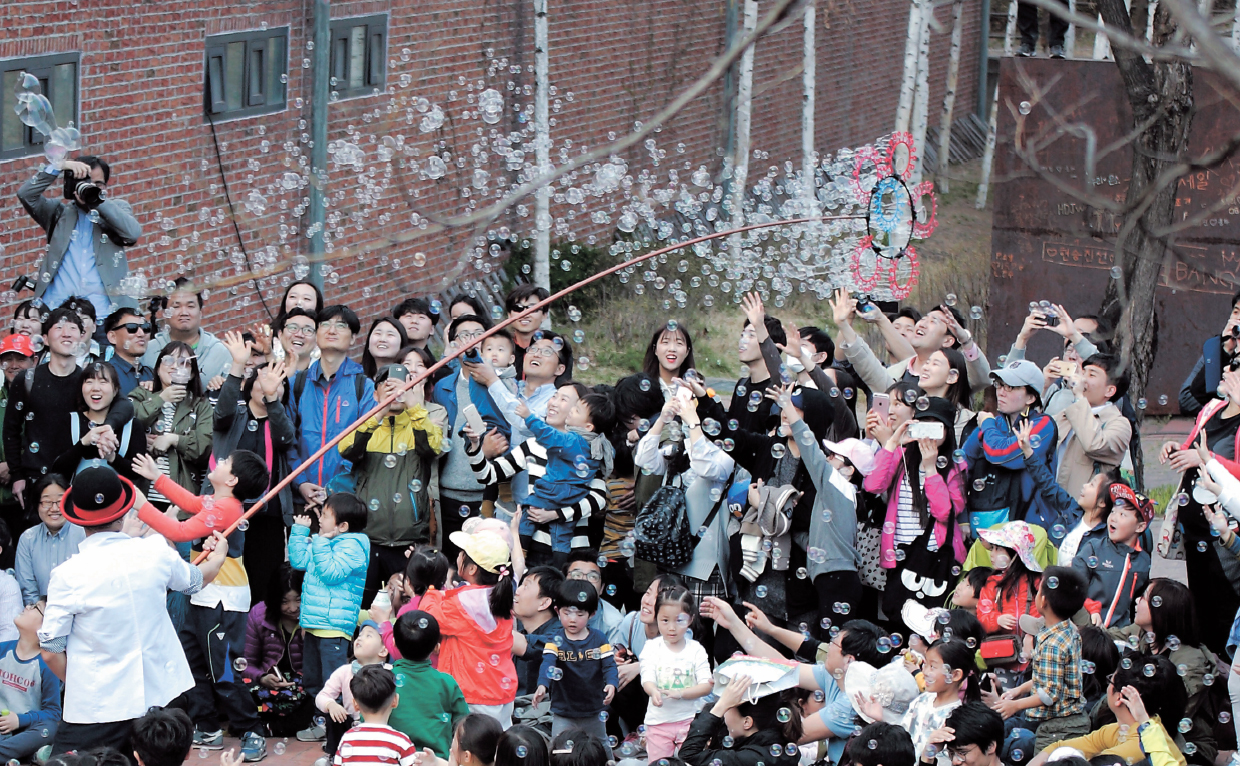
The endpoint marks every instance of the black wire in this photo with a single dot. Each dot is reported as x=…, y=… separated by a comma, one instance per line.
x=232, y=215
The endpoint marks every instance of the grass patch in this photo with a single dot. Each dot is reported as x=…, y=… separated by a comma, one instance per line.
x=1161, y=497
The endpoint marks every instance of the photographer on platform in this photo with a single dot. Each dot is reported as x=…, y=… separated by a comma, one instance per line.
x=86, y=237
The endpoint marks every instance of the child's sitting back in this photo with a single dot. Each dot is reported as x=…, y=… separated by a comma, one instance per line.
x=575, y=454
x=434, y=703
x=373, y=740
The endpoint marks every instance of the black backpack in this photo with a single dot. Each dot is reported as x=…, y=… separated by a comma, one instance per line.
x=661, y=531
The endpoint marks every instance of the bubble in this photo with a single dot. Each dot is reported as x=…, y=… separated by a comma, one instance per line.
x=1181, y=670
x=1190, y=748
x=783, y=715
x=1224, y=716
x=1163, y=400
x=201, y=754
x=1126, y=663
x=644, y=385
x=34, y=447
x=1025, y=107
x=979, y=485
x=951, y=299
x=464, y=511
x=1156, y=601
x=943, y=617
x=1052, y=582
x=1117, y=272
x=778, y=450
x=760, y=591
x=1173, y=642
x=1058, y=531
x=279, y=748
x=240, y=664
x=1092, y=562
x=923, y=403
x=1208, y=679
x=910, y=396
x=975, y=313
x=727, y=742
x=1018, y=755
x=776, y=750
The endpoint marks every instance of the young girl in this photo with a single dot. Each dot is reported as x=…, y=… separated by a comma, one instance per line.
x=949, y=668
x=427, y=569
x=475, y=622
x=675, y=672
x=1009, y=592
x=474, y=742
x=969, y=589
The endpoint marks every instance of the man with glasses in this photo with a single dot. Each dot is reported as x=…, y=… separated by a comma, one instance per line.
x=973, y=736
x=296, y=331
x=460, y=494
x=326, y=399
x=48, y=544
x=128, y=333
x=583, y=565
x=518, y=300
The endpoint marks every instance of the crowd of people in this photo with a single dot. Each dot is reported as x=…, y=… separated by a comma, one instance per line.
x=869, y=554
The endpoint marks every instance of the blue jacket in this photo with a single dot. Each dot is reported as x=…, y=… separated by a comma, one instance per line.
x=445, y=395
x=324, y=410
x=331, y=595
x=994, y=441
x=570, y=469
x=1118, y=575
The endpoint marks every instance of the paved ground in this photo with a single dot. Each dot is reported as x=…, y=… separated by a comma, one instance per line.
x=295, y=753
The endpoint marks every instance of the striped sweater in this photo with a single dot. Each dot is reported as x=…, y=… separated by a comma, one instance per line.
x=532, y=457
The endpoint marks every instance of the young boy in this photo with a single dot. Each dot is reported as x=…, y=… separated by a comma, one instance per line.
x=429, y=713
x=336, y=698
x=29, y=694
x=335, y=562
x=221, y=607
x=1115, y=567
x=162, y=737
x=574, y=455
x=1143, y=683
x=392, y=454
x=1051, y=703
x=578, y=667
x=373, y=740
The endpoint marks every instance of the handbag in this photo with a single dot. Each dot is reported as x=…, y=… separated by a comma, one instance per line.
x=1170, y=543
x=662, y=533
x=923, y=575
x=1004, y=650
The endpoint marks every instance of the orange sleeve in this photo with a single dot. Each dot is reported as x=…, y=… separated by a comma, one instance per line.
x=218, y=516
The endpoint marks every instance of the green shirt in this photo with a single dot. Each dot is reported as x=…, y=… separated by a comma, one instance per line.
x=430, y=705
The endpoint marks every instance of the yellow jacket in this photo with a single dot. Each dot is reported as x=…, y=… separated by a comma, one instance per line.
x=1154, y=742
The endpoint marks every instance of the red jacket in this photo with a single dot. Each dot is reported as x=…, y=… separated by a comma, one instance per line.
x=475, y=647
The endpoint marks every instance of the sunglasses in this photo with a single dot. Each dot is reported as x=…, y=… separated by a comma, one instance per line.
x=132, y=327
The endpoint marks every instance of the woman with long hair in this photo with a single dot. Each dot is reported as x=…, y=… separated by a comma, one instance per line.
x=178, y=417
x=383, y=345
x=93, y=441
x=668, y=355
x=946, y=374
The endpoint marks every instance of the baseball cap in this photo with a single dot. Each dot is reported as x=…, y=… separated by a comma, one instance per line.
x=1021, y=372
x=487, y=549
x=1122, y=493
x=854, y=451
x=16, y=344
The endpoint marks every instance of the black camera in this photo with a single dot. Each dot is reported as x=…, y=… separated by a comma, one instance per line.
x=23, y=283
x=864, y=303
x=473, y=355
x=83, y=189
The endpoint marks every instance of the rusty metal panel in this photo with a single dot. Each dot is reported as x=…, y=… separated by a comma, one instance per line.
x=1046, y=245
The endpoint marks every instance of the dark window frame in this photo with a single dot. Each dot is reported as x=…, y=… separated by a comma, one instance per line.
x=270, y=96
x=41, y=67
x=375, y=54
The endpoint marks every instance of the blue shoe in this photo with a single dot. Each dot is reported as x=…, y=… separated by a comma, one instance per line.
x=253, y=747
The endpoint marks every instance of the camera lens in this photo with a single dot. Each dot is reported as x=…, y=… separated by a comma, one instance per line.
x=90, y=194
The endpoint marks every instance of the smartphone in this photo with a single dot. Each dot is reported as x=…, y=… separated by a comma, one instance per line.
x=685, y=395
x=925, y=429
x=1067, y=369
x=882, y=406
x=398, y=372
x=474, y=419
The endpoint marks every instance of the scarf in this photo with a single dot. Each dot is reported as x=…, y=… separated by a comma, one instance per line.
x=601, y=450
x=767, y=528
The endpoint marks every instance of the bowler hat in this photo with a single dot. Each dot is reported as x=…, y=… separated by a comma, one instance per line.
x=98, y=496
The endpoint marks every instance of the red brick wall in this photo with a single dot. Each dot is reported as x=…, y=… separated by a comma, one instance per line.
x=141, y=95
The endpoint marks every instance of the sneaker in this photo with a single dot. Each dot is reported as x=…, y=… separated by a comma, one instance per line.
x=312, y=733
x=1057, y=52
x=1026, y=51
x=42, y=755
x=209, y=740
x=321, y=762
x=253, y=747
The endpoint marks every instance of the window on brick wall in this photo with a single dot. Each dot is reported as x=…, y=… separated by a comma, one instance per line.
x=58, y=74
x=246, y=73
x=359, y=55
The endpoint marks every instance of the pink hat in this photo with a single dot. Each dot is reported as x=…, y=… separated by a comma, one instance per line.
x=1017, y=536
x=854, y=451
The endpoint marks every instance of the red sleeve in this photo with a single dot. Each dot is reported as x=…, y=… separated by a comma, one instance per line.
x=178, y=495
x=223, y=513
x=989, y=618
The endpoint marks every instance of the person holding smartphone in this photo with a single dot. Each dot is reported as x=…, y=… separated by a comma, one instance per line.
x=925, y=493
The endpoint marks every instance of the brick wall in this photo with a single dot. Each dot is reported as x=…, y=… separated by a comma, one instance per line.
x=141, y=95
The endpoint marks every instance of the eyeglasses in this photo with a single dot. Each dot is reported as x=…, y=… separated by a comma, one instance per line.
x=177, y=361
x=34, y=607
x=304, y=330
x=541, y=351
x=132, y=327
x=333, y=325
x=526, y=307
x=47, y=505
x=958, y=756
x=1001, y=386
x=578, y=574
x=468, y=335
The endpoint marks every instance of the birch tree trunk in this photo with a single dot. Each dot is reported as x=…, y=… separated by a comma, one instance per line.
x=809, y=159
x=1069, y=38
x=908, y=83
x=988, y=155
x=949, y=98
x=921, y=100
x=542, y=150
x=744, y=102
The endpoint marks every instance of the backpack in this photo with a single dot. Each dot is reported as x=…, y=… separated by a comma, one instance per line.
x=661, y=531
x=997, y=499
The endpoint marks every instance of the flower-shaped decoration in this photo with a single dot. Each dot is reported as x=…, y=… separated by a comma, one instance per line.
x=886, y=253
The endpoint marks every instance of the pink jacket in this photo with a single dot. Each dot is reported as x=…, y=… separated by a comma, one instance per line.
x=942, y=497
x=337, y=687
x=385, y=630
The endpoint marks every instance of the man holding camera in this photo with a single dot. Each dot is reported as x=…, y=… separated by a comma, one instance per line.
x=86, y=237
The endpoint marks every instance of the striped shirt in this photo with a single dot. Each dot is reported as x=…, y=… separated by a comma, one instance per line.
x=532, y=457
x=374, y=744
x=162, y=426
x=908, y=520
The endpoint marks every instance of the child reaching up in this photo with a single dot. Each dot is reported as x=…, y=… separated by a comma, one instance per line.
x=574, y=455
x=675, y=672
